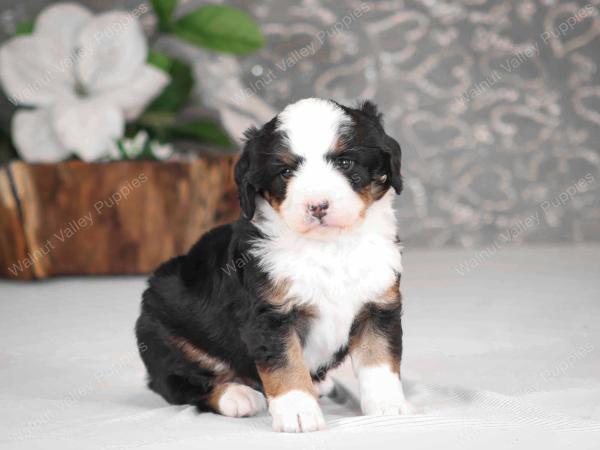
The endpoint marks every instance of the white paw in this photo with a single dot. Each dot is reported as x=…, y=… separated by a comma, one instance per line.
x=386, y=407
x=239, y=400
x=296, y=412
x=381, y=392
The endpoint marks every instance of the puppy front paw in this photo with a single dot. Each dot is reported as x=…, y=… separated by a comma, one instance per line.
x=381, y=392
x=296, y=412
x=385, y=406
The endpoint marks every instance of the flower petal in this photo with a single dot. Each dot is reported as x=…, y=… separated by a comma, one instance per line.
x=34, y=138
x=87, y=127
x=134, y=95
x=219, y=79
x=161, y=151
x=35, y=71
x=61, y=22
x=113, y=48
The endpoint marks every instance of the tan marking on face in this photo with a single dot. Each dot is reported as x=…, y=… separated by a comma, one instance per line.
x=287, y=158
x=275, y=203
x=293, y=375
x=192, y=353
x=370, y=194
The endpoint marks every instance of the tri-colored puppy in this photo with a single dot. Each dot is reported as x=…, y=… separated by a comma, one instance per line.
x=259, y=310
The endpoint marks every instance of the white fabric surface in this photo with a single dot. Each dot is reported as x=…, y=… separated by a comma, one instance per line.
x=505, y=356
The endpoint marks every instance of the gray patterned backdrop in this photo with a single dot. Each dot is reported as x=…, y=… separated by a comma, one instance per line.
x=496, y=103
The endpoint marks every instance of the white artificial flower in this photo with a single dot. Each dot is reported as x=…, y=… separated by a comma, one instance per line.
x=83, y=76
x=139, y=141
x=161, y=151
x=135, y=147
x=132, y=148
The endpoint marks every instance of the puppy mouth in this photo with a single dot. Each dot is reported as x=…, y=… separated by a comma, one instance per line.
x=314, y=222
x=323, y=223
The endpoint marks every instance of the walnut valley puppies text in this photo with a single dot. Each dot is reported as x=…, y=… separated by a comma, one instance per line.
x=62, y=66
x=295, y=56
x=120, y=195
x=546, y=211
x=78, y=224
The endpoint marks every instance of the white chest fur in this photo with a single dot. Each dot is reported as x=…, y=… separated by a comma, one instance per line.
x=335, y=277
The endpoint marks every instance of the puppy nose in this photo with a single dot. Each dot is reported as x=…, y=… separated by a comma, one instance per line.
x=318, y=209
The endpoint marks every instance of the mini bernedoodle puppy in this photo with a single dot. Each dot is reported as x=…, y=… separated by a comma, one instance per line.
x=260, y=309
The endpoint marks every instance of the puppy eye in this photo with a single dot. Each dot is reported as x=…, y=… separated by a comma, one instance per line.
x=286, y=173
x=344, y=164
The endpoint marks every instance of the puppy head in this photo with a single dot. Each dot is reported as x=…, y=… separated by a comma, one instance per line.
x=320, y=165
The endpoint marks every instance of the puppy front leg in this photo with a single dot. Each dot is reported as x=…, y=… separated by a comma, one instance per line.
x=376, y=350
x=289, y=389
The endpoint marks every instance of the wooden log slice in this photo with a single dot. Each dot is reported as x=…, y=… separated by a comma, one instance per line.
x=77, y=218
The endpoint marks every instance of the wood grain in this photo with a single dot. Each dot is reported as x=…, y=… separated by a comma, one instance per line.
x=108, y=218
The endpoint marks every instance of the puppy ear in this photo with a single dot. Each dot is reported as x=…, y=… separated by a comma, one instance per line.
x=370, y=109
x=392, y=148
x=242, y=173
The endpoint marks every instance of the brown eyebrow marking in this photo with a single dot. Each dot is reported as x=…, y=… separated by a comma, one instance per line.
x=339, y=146
x=287, y=157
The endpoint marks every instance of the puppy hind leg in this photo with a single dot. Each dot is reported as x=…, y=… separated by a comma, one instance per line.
x=178, y=390
x=224, y=394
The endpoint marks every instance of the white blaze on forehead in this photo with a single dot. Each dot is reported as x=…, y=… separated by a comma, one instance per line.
x=312, y=126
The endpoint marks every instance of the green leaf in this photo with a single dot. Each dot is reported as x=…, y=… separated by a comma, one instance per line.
x=122, y=151
x=157, y=120
x=163, y=125
x=160, y=60
x=205, y=131
x=146, y=153
x=177, y=92
x=220, y=28
x=164, y=10
x=24, y=27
